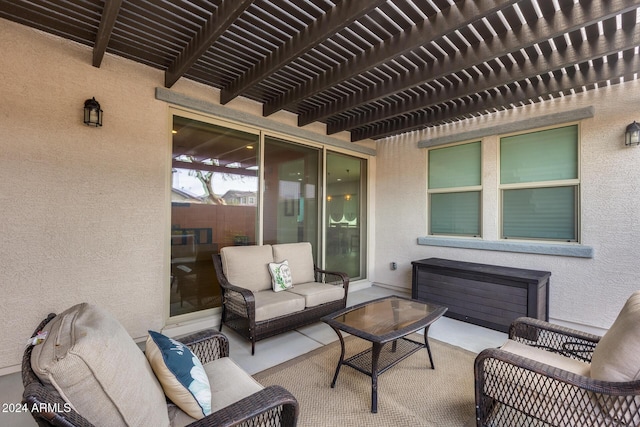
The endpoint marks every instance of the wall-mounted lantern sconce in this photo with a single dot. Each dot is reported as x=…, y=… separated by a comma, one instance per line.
x=632, y=134
x=92, y=113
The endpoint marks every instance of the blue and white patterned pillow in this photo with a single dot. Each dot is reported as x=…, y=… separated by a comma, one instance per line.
x=180, y=373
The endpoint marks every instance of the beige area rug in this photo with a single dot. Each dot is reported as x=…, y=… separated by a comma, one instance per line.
x=409, y=394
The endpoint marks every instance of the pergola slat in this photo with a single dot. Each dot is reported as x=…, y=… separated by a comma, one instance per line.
x=215, y=26
x=373, y=68
x=416, y=36
x=544, y=30
x=327, y=25
x=610, y=73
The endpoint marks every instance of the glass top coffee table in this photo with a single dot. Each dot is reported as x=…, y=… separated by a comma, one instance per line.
x=380, y=321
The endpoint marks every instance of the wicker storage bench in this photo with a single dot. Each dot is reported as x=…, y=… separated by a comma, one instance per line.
x=252, y=308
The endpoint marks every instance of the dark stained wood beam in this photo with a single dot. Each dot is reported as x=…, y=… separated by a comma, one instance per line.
x=590, y=14
x=338, y=17
x=216, y=25
x=107, y=22
x=436, y=26
x=505, y=97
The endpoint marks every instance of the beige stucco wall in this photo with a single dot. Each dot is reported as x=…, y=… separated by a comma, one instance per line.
x=84, y=212
x=584, y=292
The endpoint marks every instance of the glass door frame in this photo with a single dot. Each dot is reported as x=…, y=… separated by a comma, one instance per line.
x=206, y=315
x=363, y=204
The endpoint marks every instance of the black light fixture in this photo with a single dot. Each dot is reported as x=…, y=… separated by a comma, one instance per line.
x=632, y=134
x=92, y=113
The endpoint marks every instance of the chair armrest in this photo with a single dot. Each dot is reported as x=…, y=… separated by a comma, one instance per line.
x=226, y=287
x=269, y=399
x=326, y=276
x=555, y=338
x=207, y=345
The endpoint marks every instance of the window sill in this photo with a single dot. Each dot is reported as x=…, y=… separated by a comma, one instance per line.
x=558, y=249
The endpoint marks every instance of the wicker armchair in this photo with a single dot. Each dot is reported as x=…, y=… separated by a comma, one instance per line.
x=515, y=388
x=273, y=406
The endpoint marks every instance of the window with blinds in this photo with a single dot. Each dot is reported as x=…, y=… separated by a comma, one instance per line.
x=455, y=188
x=539, y=185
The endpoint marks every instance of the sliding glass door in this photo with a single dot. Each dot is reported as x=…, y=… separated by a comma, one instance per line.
x=214, y=203
x=235, y=185
x=345, y=203
x=291, y=176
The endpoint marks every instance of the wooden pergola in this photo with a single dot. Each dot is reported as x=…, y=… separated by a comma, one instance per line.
x=375, y=68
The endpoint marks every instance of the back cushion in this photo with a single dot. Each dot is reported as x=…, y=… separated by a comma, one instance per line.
x=247, y=266
x=95, y=365
x=300, y=257
x=617, y=355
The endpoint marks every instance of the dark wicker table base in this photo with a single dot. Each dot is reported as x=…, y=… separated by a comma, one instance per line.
x=389, y=356
x=385, y=323
x=379, y=358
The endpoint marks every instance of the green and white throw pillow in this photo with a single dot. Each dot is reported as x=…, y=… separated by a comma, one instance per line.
x=280, y=276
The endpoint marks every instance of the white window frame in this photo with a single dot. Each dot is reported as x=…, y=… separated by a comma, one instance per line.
x=450, y=190
x=576, y=182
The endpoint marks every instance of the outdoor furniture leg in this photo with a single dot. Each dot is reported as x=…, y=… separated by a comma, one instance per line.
x=426, y=344
x=335, y=376
x=375, y=355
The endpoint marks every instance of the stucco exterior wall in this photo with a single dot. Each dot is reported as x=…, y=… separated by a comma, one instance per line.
x=84, y=212
x=587, y=293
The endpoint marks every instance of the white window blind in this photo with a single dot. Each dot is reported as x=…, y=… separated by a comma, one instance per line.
x=539, y=174
x=454, y=185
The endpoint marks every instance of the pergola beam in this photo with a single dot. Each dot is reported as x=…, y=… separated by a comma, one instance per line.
x=107, y=22
x=216, y=25
x=506, y=96
x=432, y=28
x=510, y=42
x=338, y=17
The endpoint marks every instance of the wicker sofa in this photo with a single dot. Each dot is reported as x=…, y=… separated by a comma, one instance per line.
x=251, y=307
x=85, y=370
x=550, y=375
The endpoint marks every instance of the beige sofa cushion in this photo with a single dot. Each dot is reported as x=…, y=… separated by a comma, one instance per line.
x=247, y=266
x=91, y=360
x=271, y=304
x=617, y=355
x=547, y=357
x=317, y=293
x=300, y=257
x=229, y=384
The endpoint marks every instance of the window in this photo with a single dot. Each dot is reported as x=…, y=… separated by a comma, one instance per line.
x=539, y=185
x=455, y=188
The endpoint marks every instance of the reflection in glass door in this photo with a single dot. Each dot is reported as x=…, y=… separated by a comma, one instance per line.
x=290, y=193
x=214, y=203
x=344, y=214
